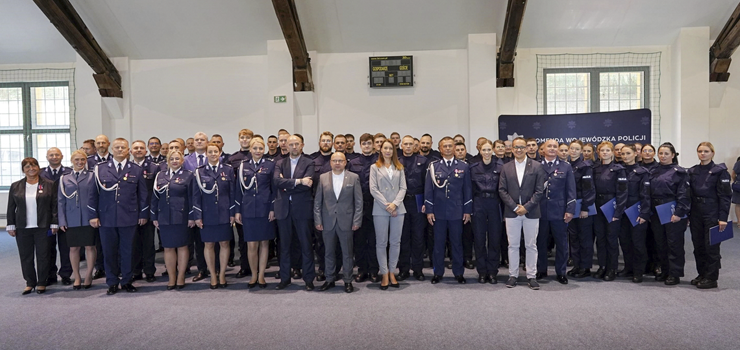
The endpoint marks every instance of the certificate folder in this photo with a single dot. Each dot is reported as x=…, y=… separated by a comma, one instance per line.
x=591, y=209
x=665, y=211
x=633, y=213
x=715, y=236
x=608, y=209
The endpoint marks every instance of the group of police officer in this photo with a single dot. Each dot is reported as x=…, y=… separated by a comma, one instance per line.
x=453, y=203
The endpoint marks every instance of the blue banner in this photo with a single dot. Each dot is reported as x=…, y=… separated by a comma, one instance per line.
x=622, y=126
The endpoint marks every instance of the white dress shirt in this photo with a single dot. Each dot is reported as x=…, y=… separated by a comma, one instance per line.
x=520, y=167
x=338, y=181
x=32, y=220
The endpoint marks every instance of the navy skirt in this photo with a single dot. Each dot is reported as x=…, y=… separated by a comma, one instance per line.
x=174, y=236
x=216, y=233
x=258, y=229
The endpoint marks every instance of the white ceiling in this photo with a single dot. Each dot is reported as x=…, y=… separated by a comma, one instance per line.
x=155, y=29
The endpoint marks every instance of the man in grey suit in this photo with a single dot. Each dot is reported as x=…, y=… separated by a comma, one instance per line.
x=521, y=185
x=337, y=211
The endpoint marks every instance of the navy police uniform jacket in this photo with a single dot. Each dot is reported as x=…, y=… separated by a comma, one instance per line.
x=610, y=181
x=415, y=169
x=120, y=199
x=583, y=173
x=255, y=193
x=360, y=165
x=559, y=196
x=171, y=202
x=710, y=187
x=671, y=183
x=638, y=189
x=158, y=159
x=96, y=159
x=47, y=173
x=72, y=197
x=214, y=194
x=484, y=179
x=448, y=192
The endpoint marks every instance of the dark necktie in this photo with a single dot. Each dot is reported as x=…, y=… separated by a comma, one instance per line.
x=449, y=163
x=200, y=160
x=77, y=174
x=214, y=168
x=119, y=168
x=54, y=173
x=549, y=164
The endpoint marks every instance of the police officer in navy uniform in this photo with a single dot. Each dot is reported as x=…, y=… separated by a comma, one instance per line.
x=647, y=161
x=236, y=159
x=425, y=148
x=632, y=238
x=710, y=203
x=557, y=208
x=487, y=226
x=193, y=161
x=610, y=181
x=581, y=228
x=143, y=245
x=101, y=156
x=670, y=182
x=117, y=207
x=53, y=172
x=532, y=150
x=448, y=203
x=155, y=146
x=414, y=222
x=461, y=153
x=364, y=238
x=322, y=164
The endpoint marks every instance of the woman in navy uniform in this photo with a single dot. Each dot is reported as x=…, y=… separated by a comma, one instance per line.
x=213, y=211
x=710, y=203
x=487, y=224
x=588, y=153
x=74, y=218
x=255, y=208
x=610, y=182
x=670, y=182
x=581, y=228
x=173, y=216
x=632, y=238
x=648, y=162
x=648, y=157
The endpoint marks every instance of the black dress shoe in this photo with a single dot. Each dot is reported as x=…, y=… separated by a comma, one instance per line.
x=460, y=279
x=309, y=286
x=320, y=276
x=200, y=276
x=52, y=280
x=661, y=278
x=570, y=262
x=419, y=276
x=40, y=291
x=251, y=285
x=610, y=275
x=348, y=288
x=282, y=285
x=129, y=288
x=599, y=273
x=657, y=271
x=98, y=274
x=77, y=287
x=231, y=263
x=374, y=277
x=171, y=287
x=327, y=286
x=277, y=275
x=448, y=265
x=180, y=286
x=242, y=273
x=165, y=273
x=66, y=281
x=215, y=286
x=637, y=278
x=583, y=273
x=262, y=285
x=696, y=280
x=436, y=279
x=223, y=285
x=151, y=278
x=541, y=275
x=481, y=279
x=574, y=271
x=403, y=275
x=382, y=287
x=112, y=290
x=297, y=274
x=672, y=281
x=361, y=277
x=469, y=264
x=395, y=285
x=491, y=279
x=27, y=291
x=137, y=277
x=625, y=273
x=562, y=279
x=706, y=284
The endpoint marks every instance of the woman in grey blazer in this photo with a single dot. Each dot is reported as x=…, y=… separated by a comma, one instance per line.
x=388, y=188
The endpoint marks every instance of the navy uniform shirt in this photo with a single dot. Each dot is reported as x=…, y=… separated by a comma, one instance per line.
x=256, y=191
x=610, y=181
x=237, y=158
x=650, y=166
x=638, y=189
x=360, y=165
x=214, y=194
x=583, y=172
x=172, y=199
x=321, y=165
x=433, y=155
x=120, y=199
x=671, y=183
x=352, y=155
x=710, y=186
x=48, y=173
x=484, y=177
x=415, y=169
x=559, y=196
x=448, y=192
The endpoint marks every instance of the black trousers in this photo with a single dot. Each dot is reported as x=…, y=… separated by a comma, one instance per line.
x=467, y=242
x=65, y=266
x=669, y=239
x=200, y=259
x=364, y=243
x=143, y=251
x=581, y=233
x=30, y=241
x=487, y=231
x=607, y=240
x=707, y=256
x=302, y=229
x=99, y=260
x=411, y=255
x=634, y=248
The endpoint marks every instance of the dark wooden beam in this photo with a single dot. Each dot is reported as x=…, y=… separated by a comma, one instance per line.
x=63, y=16
x=720, y=54
x=291, y=26
x=507, y=51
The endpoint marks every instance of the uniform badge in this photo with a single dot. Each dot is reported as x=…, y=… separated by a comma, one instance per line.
x=41, y=188
x=125, y=177
x=223, y=178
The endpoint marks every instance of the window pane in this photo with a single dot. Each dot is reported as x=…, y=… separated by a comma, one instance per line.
x=567, y=92
x=11, y=155
x=11, y=108
x=50, y=107
x=621, y=91
x=42, y=143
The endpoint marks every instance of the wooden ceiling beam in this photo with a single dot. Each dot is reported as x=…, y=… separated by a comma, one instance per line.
x=291, y=26
x=720, y=54
x=64, y=17
x=507, y=51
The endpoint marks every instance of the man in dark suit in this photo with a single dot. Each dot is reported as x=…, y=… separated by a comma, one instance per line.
x=294, y=209
x=53, y=172
x=521, y=185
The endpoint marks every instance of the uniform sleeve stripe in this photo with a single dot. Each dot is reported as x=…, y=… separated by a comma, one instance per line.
x=237, y=203
x=91, y=208
x=468, y=202
x=571, y=201
x=232, y=207
x=197, y=209
x=426, y=201
x=145, y=208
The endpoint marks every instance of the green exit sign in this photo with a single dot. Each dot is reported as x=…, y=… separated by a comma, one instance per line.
x=280, y=99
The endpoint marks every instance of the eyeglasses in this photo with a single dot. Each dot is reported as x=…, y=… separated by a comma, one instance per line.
x=337, y=161
x=519, y=147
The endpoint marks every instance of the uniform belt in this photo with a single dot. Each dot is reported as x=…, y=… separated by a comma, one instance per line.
x=411, y=196
x=704, y=199
x=658, y=201
x=487, y=195
x=605, y=196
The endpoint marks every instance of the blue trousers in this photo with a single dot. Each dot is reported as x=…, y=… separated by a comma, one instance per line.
x=559, y=231
x=444, y=230
x=117, y=245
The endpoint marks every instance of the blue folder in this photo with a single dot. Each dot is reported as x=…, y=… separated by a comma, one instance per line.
x=715, y=236
x=633, y=213
x=608, y=209
x=591, y=209
x=419, y=202
x=665, y=211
